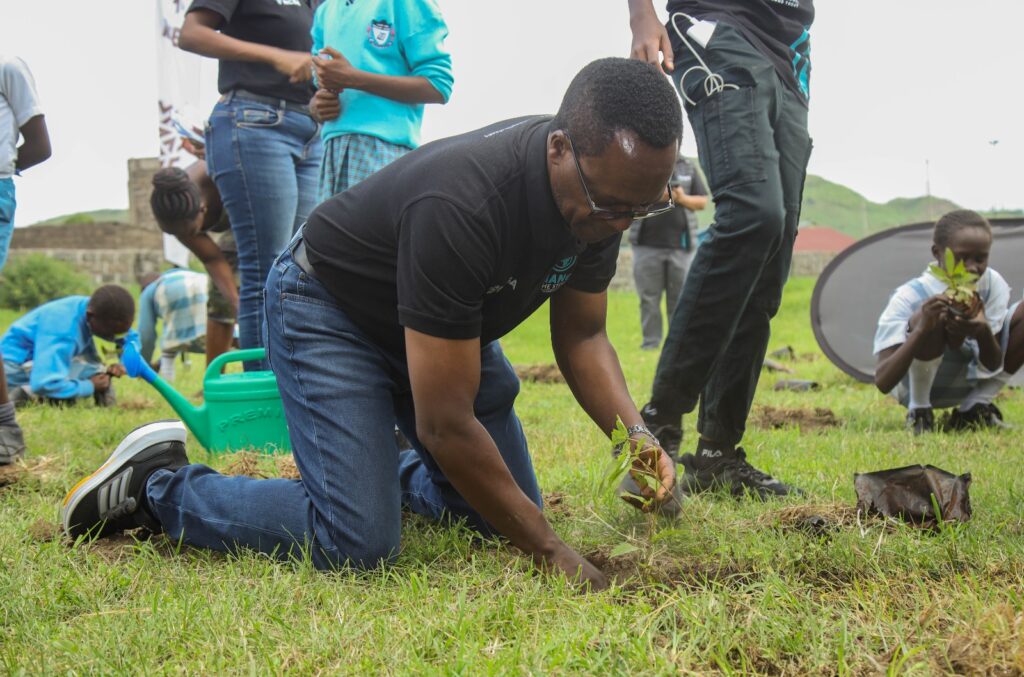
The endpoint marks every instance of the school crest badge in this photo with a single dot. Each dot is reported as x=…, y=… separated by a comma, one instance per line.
x=381, y=33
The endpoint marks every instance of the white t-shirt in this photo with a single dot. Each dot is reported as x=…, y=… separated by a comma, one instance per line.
x=19, y=103
x=905, y=301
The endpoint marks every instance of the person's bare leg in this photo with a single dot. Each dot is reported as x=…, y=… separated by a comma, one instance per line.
x=1015, y=348
x=218, y=338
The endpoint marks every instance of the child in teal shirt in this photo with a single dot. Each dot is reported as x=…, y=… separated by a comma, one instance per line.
x=377, y=62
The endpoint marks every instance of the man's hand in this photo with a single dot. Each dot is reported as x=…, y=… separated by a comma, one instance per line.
x=337, y=72
x=325, y=105
x=649, y=37
x=196, y=149
x=116, y=370
x=650, y=463
x=296, y=65
x=576, y=568
x=100, y=382
x=972, y=324
x=933, y=313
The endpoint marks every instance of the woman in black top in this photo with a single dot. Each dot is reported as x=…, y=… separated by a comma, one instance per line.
x=263, y=146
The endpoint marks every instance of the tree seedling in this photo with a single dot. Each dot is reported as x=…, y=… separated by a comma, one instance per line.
x=961, y=284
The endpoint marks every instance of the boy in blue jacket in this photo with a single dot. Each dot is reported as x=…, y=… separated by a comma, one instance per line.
x=51, y=352
x=376, y=64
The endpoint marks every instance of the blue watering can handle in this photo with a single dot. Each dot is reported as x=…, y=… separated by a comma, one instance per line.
x=134, y=365
x=213, y=371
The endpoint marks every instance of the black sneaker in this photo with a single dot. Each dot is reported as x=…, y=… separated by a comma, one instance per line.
x=731, y=471
x=977, y=417
x=112, y=498
x=670, y=435
x=108, y=398
x=921, y=420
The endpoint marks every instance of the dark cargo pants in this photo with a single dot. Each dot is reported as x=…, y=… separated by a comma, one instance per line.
x=754, y=147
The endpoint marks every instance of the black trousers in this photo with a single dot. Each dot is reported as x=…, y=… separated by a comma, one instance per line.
x=754, y=147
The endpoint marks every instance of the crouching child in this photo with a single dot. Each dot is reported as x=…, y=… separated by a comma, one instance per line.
x=50, y=353
x=935, y=351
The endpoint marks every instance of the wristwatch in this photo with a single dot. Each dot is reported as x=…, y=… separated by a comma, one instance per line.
x=638, y=429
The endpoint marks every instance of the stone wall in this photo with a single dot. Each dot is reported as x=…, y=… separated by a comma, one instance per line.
x=140, y=185
x=108, y=252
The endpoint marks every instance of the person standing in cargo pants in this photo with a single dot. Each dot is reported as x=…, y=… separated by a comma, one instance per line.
x=743, y=69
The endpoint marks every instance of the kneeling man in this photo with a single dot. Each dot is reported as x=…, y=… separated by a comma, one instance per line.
x=388, y=306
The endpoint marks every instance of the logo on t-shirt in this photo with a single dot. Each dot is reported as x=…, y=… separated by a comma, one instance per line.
x=381, y=32
x=289, y=3
x=559, y=275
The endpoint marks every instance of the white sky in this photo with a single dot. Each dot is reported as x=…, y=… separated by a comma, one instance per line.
x=895, y=82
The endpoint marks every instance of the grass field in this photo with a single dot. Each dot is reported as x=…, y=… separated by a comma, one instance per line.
x=731, y=586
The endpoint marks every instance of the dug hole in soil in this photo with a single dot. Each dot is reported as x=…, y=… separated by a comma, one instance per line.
x=770, y=418
x=539, y=373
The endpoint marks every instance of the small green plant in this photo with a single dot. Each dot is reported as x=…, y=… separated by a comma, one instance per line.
x=29, y=281
x=960, y=282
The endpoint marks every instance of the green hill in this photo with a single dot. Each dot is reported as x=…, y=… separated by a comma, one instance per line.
x=95, y=216
x=825, y=204
x=838, y=207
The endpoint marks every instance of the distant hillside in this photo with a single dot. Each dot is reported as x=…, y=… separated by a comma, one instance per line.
x=825, y=204
x=95, y=216
x=836, y=206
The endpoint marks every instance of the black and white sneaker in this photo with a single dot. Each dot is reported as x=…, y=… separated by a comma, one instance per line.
x=921, y=420
x=669, y=434
x=112, y=499
x=978, y=417
x=730, y=471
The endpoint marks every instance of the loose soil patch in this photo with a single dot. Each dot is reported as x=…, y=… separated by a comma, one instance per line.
x=632, y=571
x=136, y=403
x=248, y=464
x=819, y=418
x=43, y=531
x=539, y=373
x=10, y=474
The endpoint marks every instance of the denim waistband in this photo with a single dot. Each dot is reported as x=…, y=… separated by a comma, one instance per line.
x=245, y=95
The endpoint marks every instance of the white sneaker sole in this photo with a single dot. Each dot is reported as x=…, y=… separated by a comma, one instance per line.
x=136, y=441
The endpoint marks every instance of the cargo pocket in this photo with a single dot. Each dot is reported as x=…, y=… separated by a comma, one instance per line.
x=725, y=126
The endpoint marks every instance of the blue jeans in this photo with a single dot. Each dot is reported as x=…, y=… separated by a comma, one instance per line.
x=342, y=394
x=7, y=205
x=265, y=161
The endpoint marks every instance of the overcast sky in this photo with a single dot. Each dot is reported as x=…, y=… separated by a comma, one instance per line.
x=895, y=83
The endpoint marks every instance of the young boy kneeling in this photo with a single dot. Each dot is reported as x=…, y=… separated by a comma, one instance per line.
x=50, y=353
x=932, y=354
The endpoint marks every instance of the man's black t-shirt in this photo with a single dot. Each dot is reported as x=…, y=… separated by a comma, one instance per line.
x=458, y=239
x=779, y=29
x=278, y=23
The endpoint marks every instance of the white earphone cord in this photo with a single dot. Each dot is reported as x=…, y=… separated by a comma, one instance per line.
x=713, y=82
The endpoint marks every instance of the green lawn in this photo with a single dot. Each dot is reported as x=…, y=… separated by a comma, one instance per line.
x=728, y=587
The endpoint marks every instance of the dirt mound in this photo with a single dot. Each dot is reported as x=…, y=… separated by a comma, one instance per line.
x=34, y=468
x=43, y=531
x=819, y=418
x=251, y=464
x=539, y=373
x=10, y=474
x=136, y=403
x=633, y=571
x=286, y=467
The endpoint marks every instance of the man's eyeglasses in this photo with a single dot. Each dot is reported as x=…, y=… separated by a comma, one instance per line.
x=636, y=213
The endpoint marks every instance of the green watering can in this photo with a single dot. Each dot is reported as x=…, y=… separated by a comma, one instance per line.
x=240, y=411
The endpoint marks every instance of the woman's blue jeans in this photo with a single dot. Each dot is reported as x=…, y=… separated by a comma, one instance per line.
x=265, y=161
x=342, y=395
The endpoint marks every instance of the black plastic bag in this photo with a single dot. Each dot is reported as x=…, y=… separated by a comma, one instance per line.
x=907, y=493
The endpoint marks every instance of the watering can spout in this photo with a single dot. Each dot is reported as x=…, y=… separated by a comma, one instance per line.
x=193, y=417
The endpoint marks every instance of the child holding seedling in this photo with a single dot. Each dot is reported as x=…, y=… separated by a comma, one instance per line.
x=940, y=340
x=51, y=353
